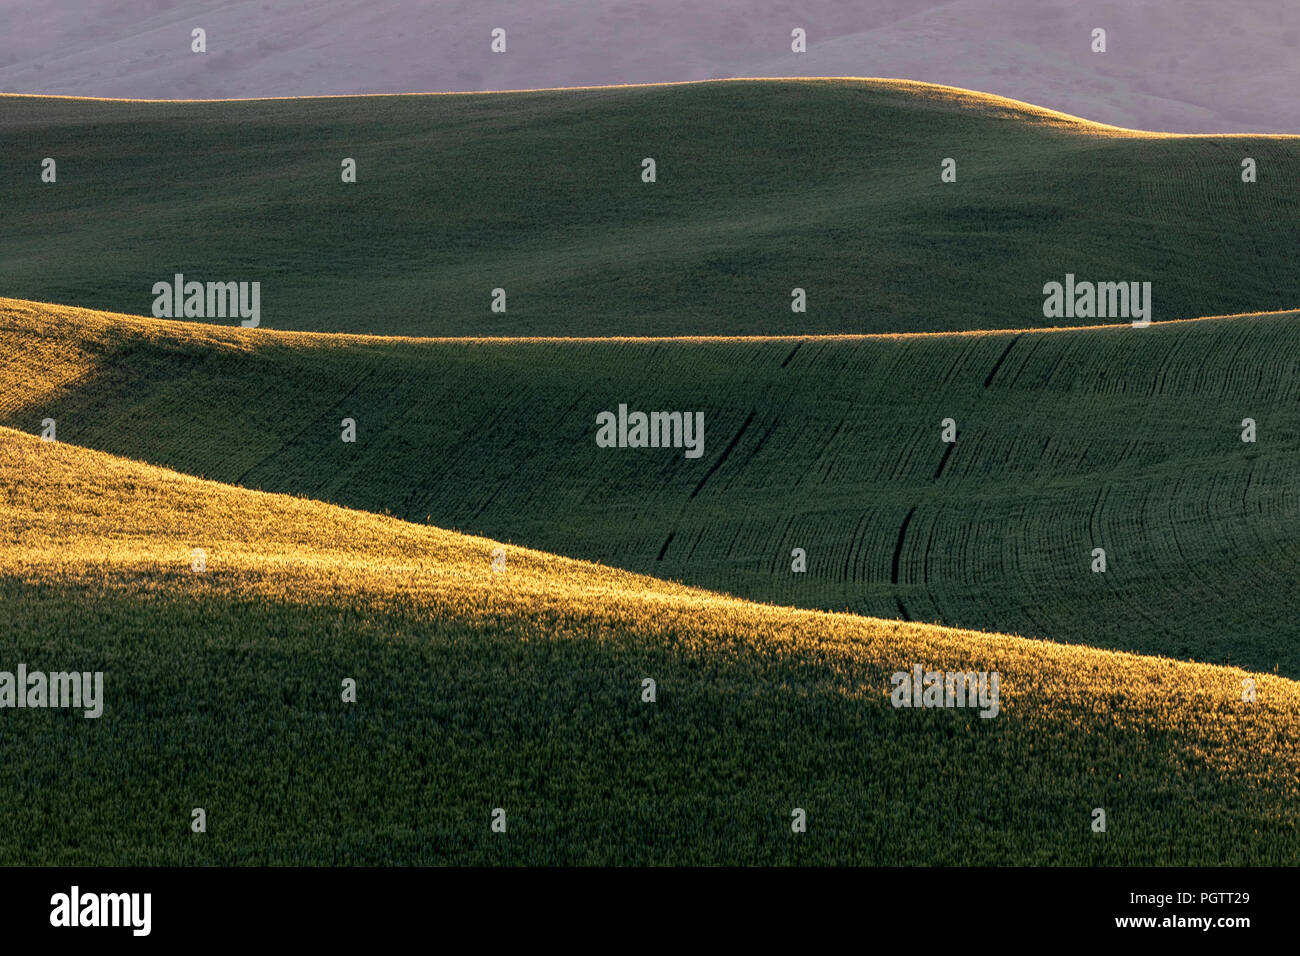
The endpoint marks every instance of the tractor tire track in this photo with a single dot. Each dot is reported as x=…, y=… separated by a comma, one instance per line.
x=735, y=439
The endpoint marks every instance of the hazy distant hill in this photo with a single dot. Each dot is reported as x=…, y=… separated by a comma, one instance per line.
x=1175, y=65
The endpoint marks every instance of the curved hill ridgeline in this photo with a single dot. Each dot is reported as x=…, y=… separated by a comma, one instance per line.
x=1124, y=439
x=522, y=689
x=763, y=186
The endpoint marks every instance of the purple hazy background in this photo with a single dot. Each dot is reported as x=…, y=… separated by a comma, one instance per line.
x=1191, y=66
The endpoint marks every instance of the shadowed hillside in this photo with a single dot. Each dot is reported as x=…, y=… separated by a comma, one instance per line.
x=831, y=186
x=1120, y=438
x=521, y=689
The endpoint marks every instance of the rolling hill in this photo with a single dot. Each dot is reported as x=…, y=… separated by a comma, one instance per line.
x=521, y=690
x=764, y=186
x=430, y=509
x=1179, y=65
x=1118, y=438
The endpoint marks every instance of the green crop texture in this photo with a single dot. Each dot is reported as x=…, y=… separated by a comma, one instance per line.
x=832, y=186
x=521, y=689
x=500, y=586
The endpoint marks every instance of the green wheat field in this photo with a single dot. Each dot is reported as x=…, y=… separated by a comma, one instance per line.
x=500, y=588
